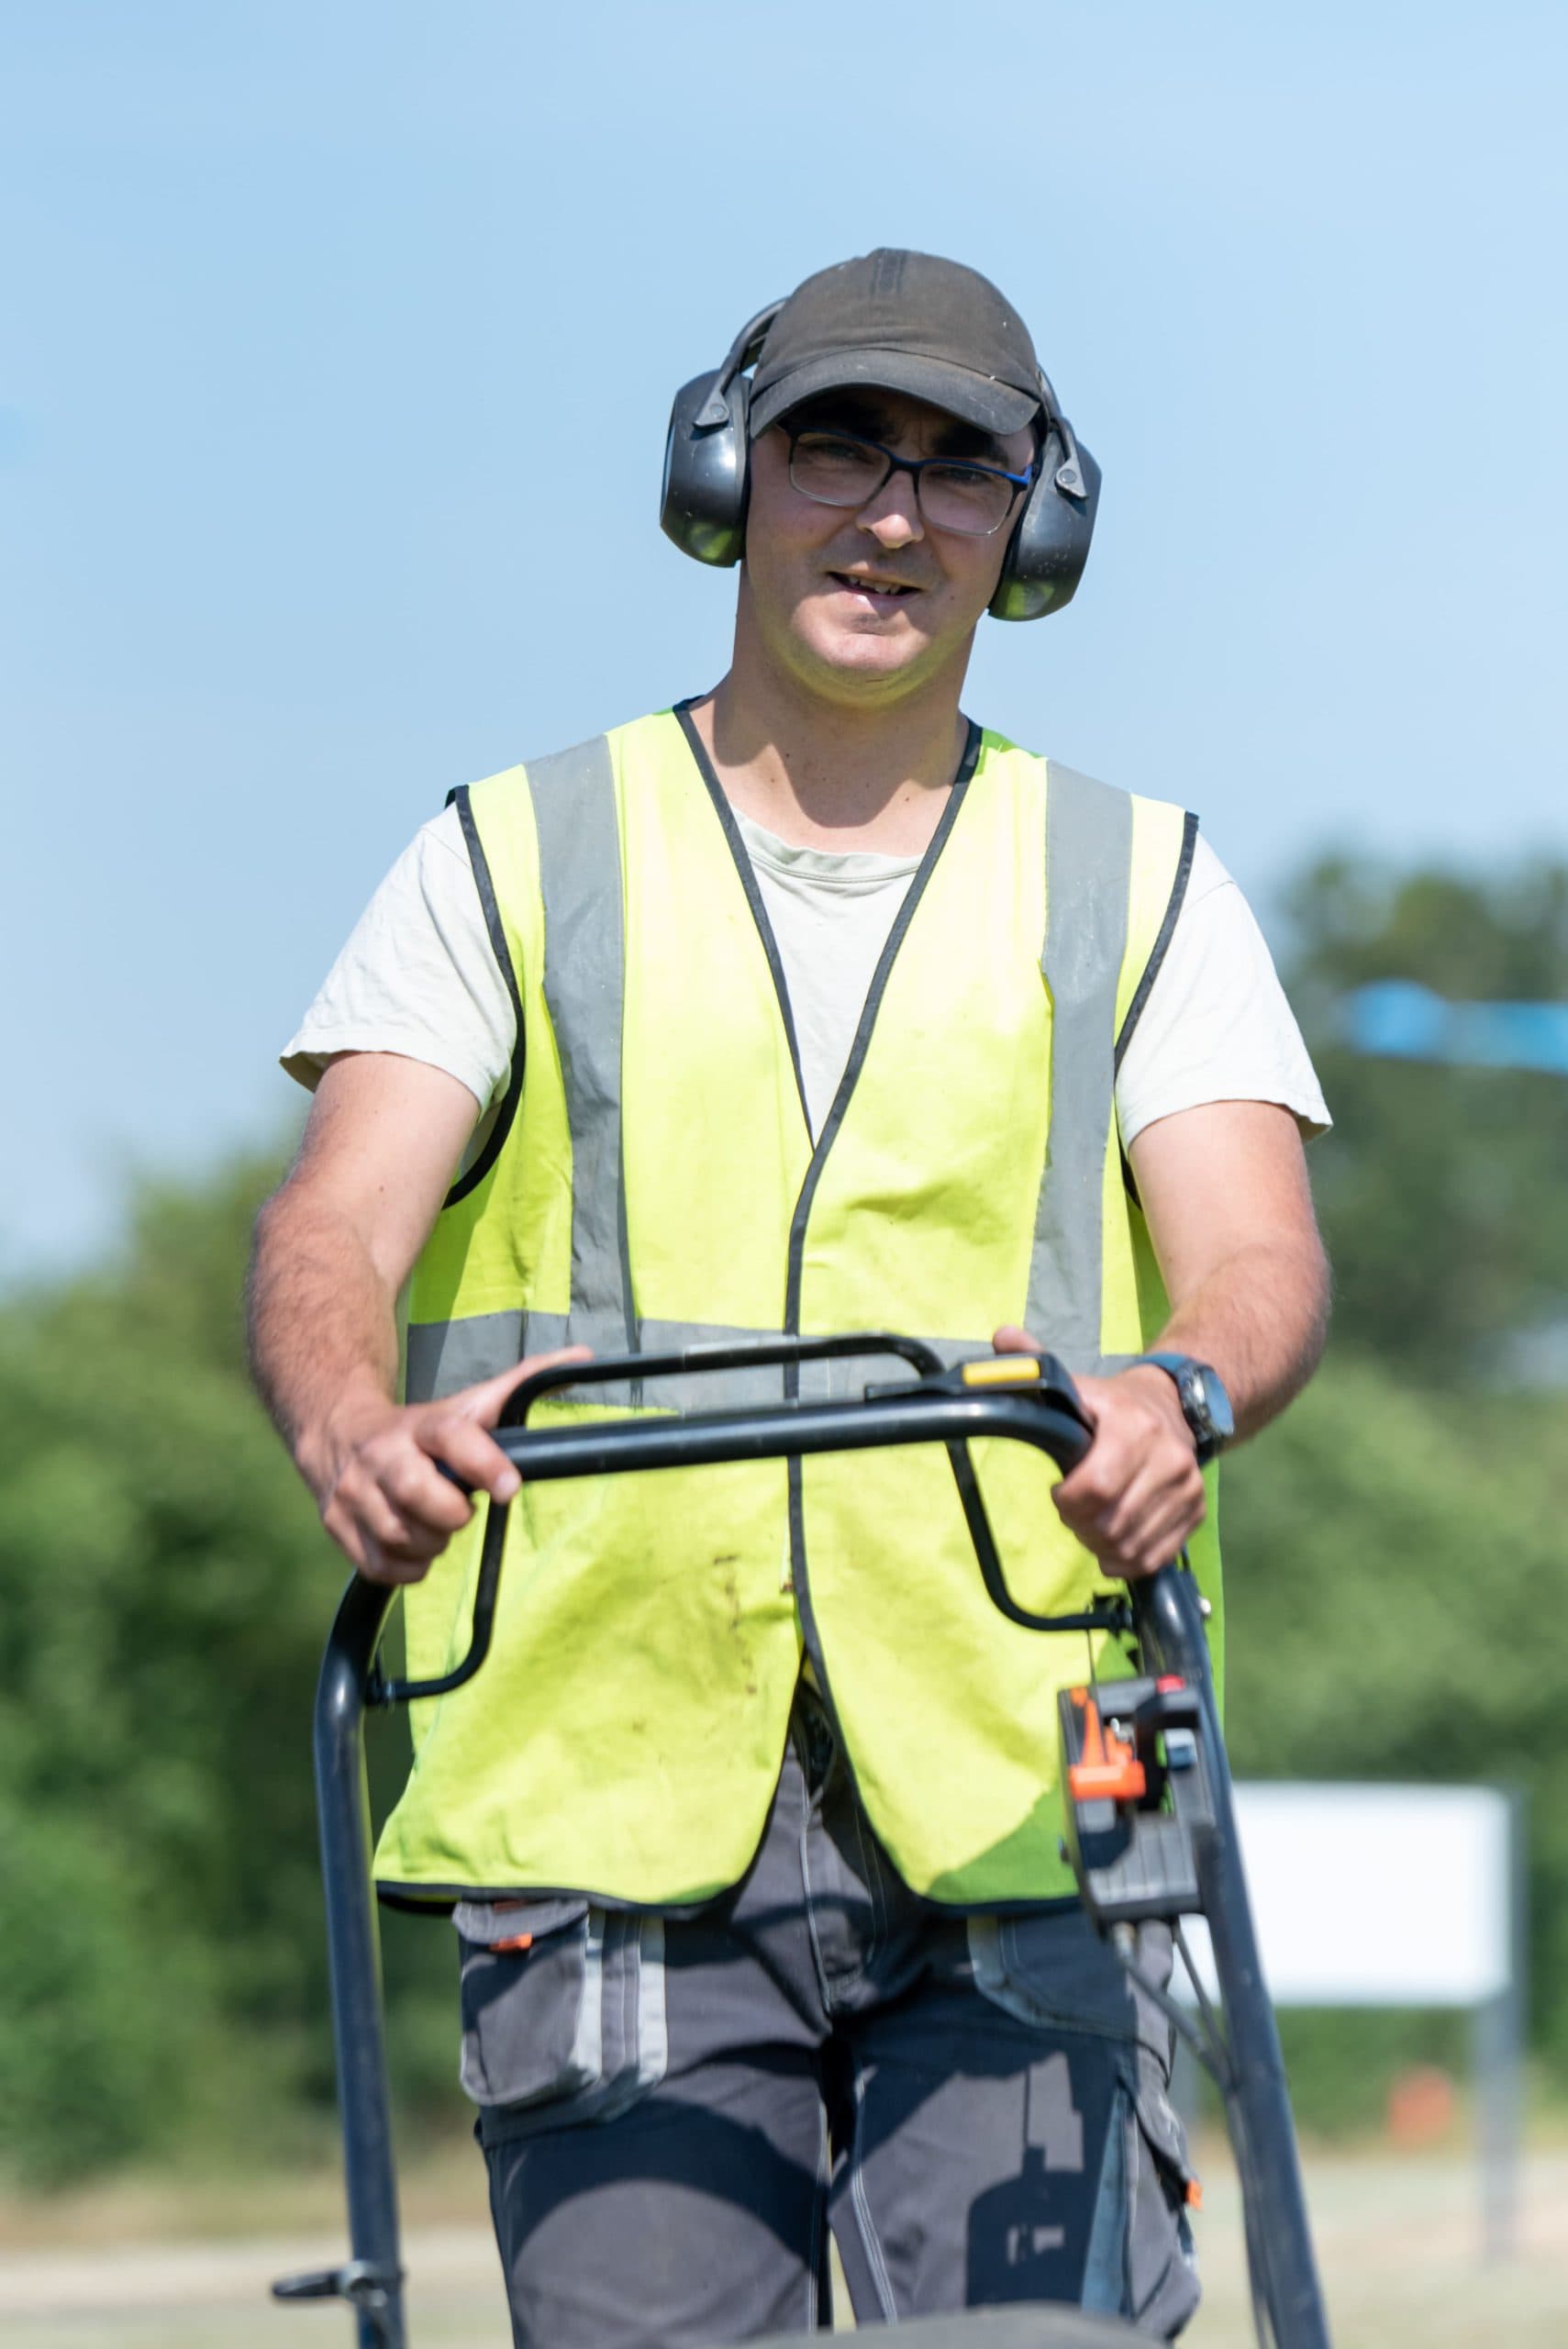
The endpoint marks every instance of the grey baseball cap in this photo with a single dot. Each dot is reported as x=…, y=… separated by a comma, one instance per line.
x=901, y=322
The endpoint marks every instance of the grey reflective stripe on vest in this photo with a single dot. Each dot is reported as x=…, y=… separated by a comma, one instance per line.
x=445, y=1355
x=442, y=1356
x=584, y=989
x=1088, y=873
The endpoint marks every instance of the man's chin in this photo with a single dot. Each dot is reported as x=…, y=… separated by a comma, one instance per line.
x=883, y=653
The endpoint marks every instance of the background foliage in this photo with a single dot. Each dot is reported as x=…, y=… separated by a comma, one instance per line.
x=1395, y=1547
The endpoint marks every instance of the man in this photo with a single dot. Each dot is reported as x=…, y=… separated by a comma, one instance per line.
x=804, y=1007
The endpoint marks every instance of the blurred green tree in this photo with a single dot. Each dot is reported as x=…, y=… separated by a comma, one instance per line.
x=1397, y=1580
x=164, y=1592
x=1441, y=1191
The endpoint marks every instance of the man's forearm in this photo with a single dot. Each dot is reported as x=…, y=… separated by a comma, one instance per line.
x=321, y=1321
x=1261, y=1318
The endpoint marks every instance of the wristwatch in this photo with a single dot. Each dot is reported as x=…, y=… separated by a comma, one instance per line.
x=1206, y=1406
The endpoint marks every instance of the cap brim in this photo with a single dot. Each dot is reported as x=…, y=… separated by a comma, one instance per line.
x=978, y=399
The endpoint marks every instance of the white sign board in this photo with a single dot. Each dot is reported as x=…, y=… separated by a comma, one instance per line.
x=1375, y=1896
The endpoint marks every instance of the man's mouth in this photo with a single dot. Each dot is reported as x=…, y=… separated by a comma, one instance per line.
x=871, y=585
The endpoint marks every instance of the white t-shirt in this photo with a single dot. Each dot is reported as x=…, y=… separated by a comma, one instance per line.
x=418, y=977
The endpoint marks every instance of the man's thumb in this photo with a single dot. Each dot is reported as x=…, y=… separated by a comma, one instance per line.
x=1010, y=1340
x=485, y=1401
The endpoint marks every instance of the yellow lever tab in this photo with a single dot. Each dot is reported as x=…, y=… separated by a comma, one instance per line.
x=1003, y=1370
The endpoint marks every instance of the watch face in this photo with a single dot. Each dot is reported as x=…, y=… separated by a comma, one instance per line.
x=1214, y=1403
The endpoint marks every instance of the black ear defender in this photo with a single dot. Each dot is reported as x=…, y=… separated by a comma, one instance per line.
x=1049, y=544
x=706, y=453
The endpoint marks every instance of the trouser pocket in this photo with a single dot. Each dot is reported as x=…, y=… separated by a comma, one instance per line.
x=1052, y=1970
x=1141, y=2262
x=1052, y=1966
x=563, y=2012
x=1163, y=2280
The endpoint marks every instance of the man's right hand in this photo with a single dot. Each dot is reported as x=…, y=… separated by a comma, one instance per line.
x=334, y=1245
x=372, y=1469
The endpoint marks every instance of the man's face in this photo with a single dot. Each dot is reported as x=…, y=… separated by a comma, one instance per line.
x=867, y=602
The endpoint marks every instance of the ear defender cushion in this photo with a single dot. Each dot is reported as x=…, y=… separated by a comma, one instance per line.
x=704, y=501
x=1049, y=544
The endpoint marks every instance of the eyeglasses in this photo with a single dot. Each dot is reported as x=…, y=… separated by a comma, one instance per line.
x=840, y=469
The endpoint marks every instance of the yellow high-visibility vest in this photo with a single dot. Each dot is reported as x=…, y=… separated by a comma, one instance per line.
x=651, y=1180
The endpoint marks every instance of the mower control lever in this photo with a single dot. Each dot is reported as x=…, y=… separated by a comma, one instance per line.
x=1136, y=1796
x=359, y=2281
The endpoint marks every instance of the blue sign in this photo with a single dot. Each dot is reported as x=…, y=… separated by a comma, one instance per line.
x=1396, y=1020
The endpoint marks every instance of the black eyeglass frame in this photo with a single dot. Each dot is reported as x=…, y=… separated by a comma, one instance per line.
x=915, y=466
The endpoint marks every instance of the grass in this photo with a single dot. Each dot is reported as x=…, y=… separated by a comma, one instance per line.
x=185, y=2264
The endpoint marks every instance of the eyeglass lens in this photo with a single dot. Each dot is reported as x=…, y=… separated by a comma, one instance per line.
x=837, y=471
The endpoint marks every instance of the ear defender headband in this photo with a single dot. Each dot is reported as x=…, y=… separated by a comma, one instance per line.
x=706, y=467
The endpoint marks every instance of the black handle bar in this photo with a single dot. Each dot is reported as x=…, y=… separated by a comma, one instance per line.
x=1029, y=1397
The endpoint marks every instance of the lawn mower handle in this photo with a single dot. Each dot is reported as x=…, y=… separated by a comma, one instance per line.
x=951, y=1404
x=1033, y=1403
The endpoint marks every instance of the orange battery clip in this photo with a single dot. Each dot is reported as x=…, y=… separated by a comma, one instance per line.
x=1108, y=1769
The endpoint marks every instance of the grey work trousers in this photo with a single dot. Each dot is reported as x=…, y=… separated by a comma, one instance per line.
x=674, y=2109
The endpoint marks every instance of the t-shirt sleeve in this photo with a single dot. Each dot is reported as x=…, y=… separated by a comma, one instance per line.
x=1216, y=1025
x=419, y=975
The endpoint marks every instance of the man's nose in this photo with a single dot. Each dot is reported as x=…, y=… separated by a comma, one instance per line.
x=893, y=516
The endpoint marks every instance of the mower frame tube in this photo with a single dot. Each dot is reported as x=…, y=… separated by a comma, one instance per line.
x=1168, y=1623
x=372, y=2280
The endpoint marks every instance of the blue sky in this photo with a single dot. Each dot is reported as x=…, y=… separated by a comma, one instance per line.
x=338, y=346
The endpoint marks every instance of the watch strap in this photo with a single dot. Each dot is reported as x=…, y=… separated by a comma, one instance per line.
x=1187, y=1373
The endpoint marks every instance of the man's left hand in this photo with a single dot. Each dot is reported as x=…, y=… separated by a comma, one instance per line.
x=1137, y=1494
